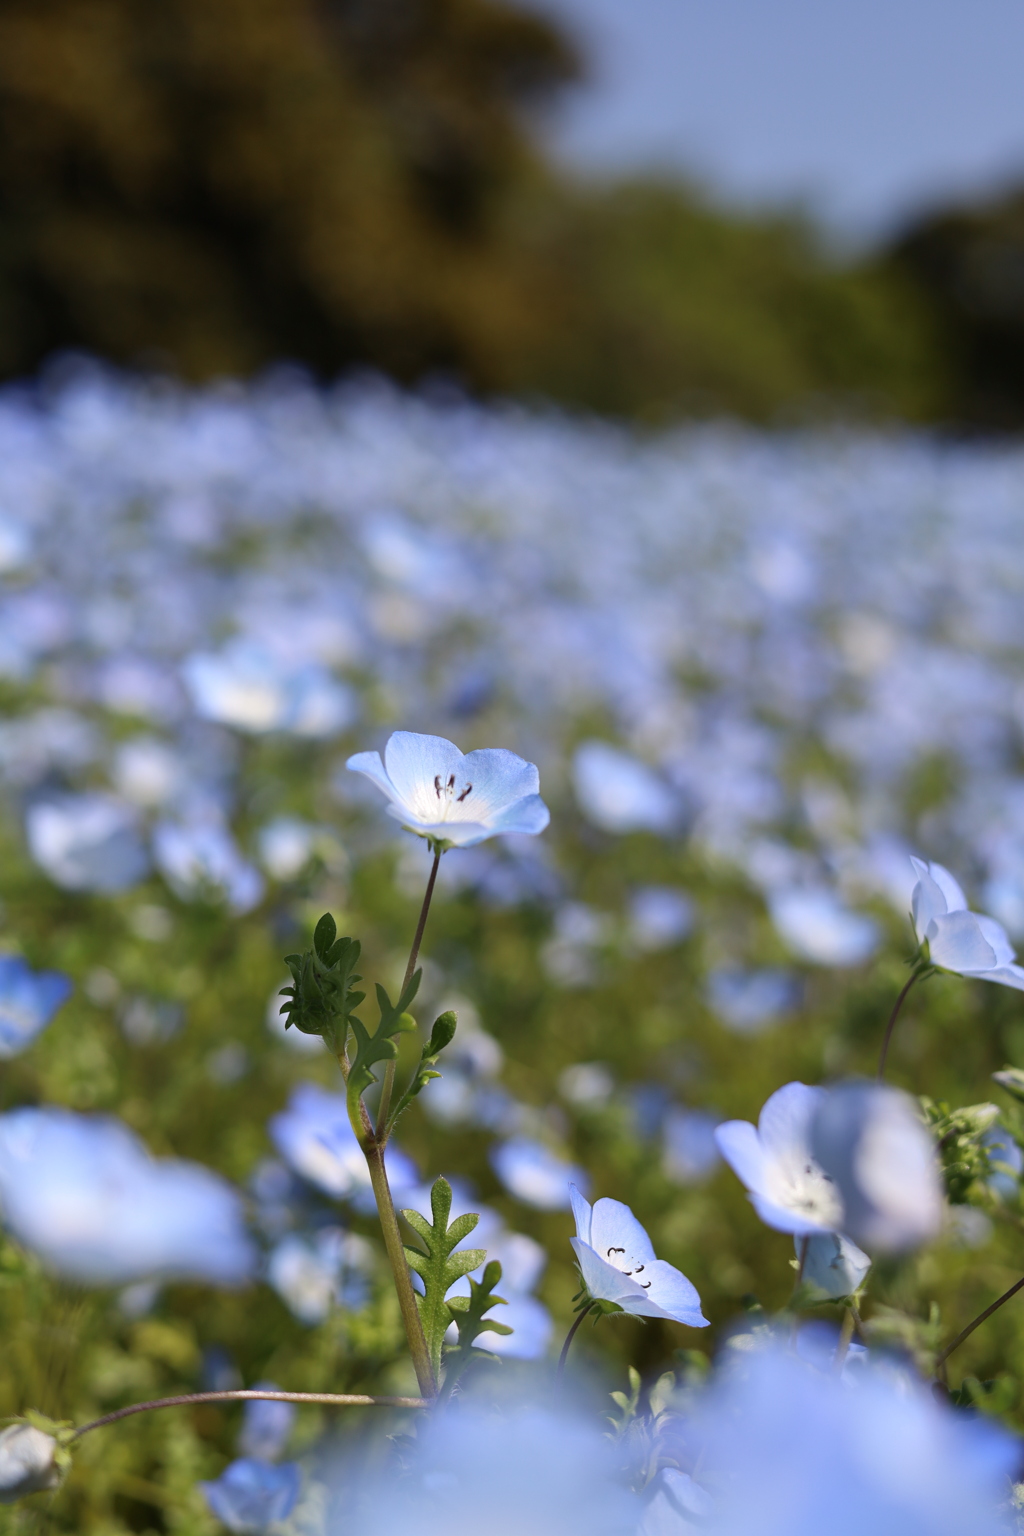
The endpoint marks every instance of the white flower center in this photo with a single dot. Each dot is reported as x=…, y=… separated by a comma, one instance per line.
x=800, y=1185
x=623, y=1261
x=449, y=796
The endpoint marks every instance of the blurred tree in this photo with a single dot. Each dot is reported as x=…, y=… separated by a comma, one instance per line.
x=209, y=185
x=968, y=263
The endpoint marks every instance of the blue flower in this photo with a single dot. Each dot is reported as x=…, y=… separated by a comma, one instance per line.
x=28, y=1001
x=618, y=1264
x=266, y=1425
x=252, y=1495
x=618, y=793
x=314, y=1136
x=248, y=686
x=534, y=1174
x=788, y=1188
x=454, y=800
x=86, y=842
x=84, y=1193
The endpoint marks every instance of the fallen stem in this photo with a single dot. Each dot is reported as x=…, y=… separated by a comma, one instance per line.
x=892, y=1022
x=982, y=1317
x=325, y=1399
x=389, y=1071
x=570, y=1336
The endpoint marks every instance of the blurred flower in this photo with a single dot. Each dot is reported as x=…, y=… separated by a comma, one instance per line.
x=286, y=846
x=659, y=916
x=314, y=1136
x=818, y=927
x=618, y=793
x=750, y=1001
x=614, y=1251
x=832, y=1263
x=957, y=940
x=201, y=857
x=148, y=771
x=452, y=799
x=86, y=842
x=675, y=1505
x=266, y=1425
x=691, y=1152
x=248, y=686
x=586, y=1084
x=794, y=1451
x=870, y=1140
x=85, y=1194
x=534, y=1174
x=251, y=1495
x=314, y=1275
x=27, y=1462
x=523, y=1469
x=787, y=1187
x=28, y=1001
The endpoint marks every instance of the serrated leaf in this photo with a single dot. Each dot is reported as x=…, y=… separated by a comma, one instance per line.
x=469, y=1313
x=437, y=1265
x=380, y=1046
x=320, y=1000
x=441, y=1035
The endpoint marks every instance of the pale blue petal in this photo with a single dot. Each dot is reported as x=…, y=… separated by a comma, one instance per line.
x=997, y=936
x=784, y=1125
x=613, y=1225
x=1007, y=976
x=603, y=1280
x=413, y=762
x=784, y=1220
x=928, y=901
x=529, y=815
x=370, y=765
x=956, y=901
x=739, y=1144
x=461, y=834
x=499, y=778
x=956, y=943
x=581, y=1210
x=673, y=1293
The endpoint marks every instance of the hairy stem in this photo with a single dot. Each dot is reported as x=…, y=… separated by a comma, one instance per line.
x=389, y=1071
x=326, y=1399
x=374, y=1154
x=982, y=1317
x=892, y=1023
x=570, y=1336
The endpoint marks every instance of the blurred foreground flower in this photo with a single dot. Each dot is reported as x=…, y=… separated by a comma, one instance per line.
x=28, y=1462
x=28, y=1001
x=84, y=1194
x=251, y=1495
x=788, y=1188
x=454, y=800
x=618, y=1264
x=870, y=1140
x=957, y=940
x=794, y=1451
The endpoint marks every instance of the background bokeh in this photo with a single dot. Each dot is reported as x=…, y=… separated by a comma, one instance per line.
x=341, y=399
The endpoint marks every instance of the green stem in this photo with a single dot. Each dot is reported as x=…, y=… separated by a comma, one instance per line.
x=374, y=1154
x=570, y=1336
x=965, y=1333
x=389, y=1070
x=326, y=1399
x=892, y=1020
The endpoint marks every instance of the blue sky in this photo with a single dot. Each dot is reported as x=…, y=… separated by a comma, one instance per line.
x=863, y=110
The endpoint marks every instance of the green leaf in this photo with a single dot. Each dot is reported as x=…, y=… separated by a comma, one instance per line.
x=320, y=1000
x=469, y=1314
x=627, y=1403
x=441, y=1035
x=438, y=1266
x=380, y=1046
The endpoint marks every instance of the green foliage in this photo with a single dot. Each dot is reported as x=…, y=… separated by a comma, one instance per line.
x=438, y=1266
x=321, y=1000
x=469, y=1314
x=378, y=1047
x=966, y=1161
x=442, y=1034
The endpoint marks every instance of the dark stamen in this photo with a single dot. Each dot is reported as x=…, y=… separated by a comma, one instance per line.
x=615, y=1250
x=465, y=792
x=437, y=785
x=451, y=782
x=645, y=1285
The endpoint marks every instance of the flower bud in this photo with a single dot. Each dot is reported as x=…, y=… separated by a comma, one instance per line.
x=28, y=1462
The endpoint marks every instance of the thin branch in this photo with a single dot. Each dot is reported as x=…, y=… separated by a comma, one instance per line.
x=892, y=1022
x=570, y=1336
x=389, y=1071
x=982, y=1317
x=326, y=1399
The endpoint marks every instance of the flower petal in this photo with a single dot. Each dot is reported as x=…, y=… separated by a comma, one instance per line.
x=950, y=887
x=673, y=1293
x=369, y=764
x=1007, y=976
x=997, y=936
x=529, y=815
x=603, y=1280
x=740, y=1145
x=613, y=1225
x=499, y=778
x=582, y=1211
x=784, y=1125
x=785, y=1220
x=928, y=900
x=413, y=763
x=957, y=943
